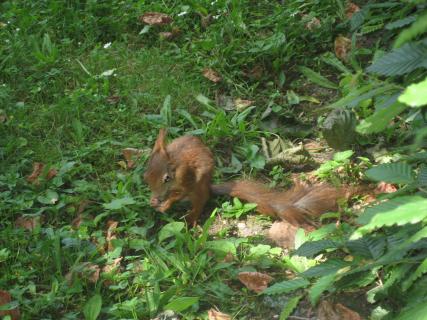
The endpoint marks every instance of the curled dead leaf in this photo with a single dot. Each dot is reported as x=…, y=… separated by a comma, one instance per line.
x=283, y=233
x=6, y=298
x=314, y=23
x=37, y=170
x=212, y=75
x=112, y=266
x=342, y=47
x=384, y=187
x=329, y=311
x=217, y=315
x=155, y=18
x=242, y=104
x=351, y=9
x=51, y=173
x=131, y=155
x=166, y=35
x=91, y=272
x=111, y=227
x=255, y=281
x=29, y=223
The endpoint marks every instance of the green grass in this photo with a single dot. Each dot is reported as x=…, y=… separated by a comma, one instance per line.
x=79, y=82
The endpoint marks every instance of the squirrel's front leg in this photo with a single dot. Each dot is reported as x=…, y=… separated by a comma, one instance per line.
x=174, y=197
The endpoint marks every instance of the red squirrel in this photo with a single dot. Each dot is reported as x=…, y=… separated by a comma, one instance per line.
x=180, y=170
x=183, y=170
x=296, y=205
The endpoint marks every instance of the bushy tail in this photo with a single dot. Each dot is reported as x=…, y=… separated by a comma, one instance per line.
x=295, y=205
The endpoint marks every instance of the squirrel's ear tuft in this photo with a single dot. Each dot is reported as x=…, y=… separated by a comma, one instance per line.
x=160, y=144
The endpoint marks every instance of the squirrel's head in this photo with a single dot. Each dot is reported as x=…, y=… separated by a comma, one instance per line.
x=159, y=173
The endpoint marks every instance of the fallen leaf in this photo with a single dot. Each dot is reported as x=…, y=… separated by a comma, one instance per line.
x=155, y=18
x=342, y=47
x=314, y=23
x=112, y=266
x=217, y=315
x=255, y=281
x=6, y=298
x=92, y=272
x=166, y=35
x=242, y=104
x=384, y=187
x=51, y=173
x=37, y=170
x=329, y=311
x=111, y=227
x=212, y=75
x=131, y=155
x=29, y=223
x=283, y=233
x=351, y=9
x=113, y=99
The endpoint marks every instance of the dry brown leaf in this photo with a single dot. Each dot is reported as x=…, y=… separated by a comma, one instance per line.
x=242, y=104
x=283, y=233
x=51, y=173
x=112, y=266
x=255, y=281
x=29, y=223
x=314, y=23
x=111, y=227
x=212, y=75
x=166, y=35
x=384, y=187
x=217, y=315
x=351, y=9
x=329, y=311
x=37, y=170
x=342, y=47
x=6, y=298
x=92, y=272
x=131, y=155
x=155, y=18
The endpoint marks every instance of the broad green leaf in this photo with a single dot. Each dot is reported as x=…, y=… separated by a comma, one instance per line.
x=221, y=247
x=368, y=247
x=92, y=308
x=317, y=78
x=422, y=176
x=397, y=211
x=379, y=121
x=417, y=311
x=343, y=155
x=400, y=23
x=286, y=286
x=422, y=268
x=402, y=60
x=289, y=307
x=117, y=204
x=180, y=304
x=50, y=197
x=170, y=230
x=417, y=28
x=416, y=94
x=312, y=248
x=398, y=172
x=325, y=268
x=319, y=287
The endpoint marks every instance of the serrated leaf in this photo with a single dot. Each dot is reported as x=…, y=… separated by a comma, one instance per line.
x=398, y=172
x=397, y=211
x=422, y=268
x=400, y=23
x=416, y=94
x=319, y=287
x=92, y=308
x=289, y=307
x=338, y=129
x=317, y=78
x=379, y=121
x=401, y=60
x=325, y=268
x=312, y=248
x=286, y=286
x=422, y=176
x=180, y=304
x=368, y=247
x=417, y=28
x=416, y=311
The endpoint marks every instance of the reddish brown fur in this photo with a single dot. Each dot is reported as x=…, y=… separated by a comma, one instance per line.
x=295, y=205
x=189, y=165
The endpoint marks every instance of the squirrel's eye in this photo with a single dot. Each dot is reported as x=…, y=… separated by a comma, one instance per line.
x=166, y=178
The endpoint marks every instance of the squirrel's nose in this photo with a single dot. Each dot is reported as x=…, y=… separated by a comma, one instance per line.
x=154, y=202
